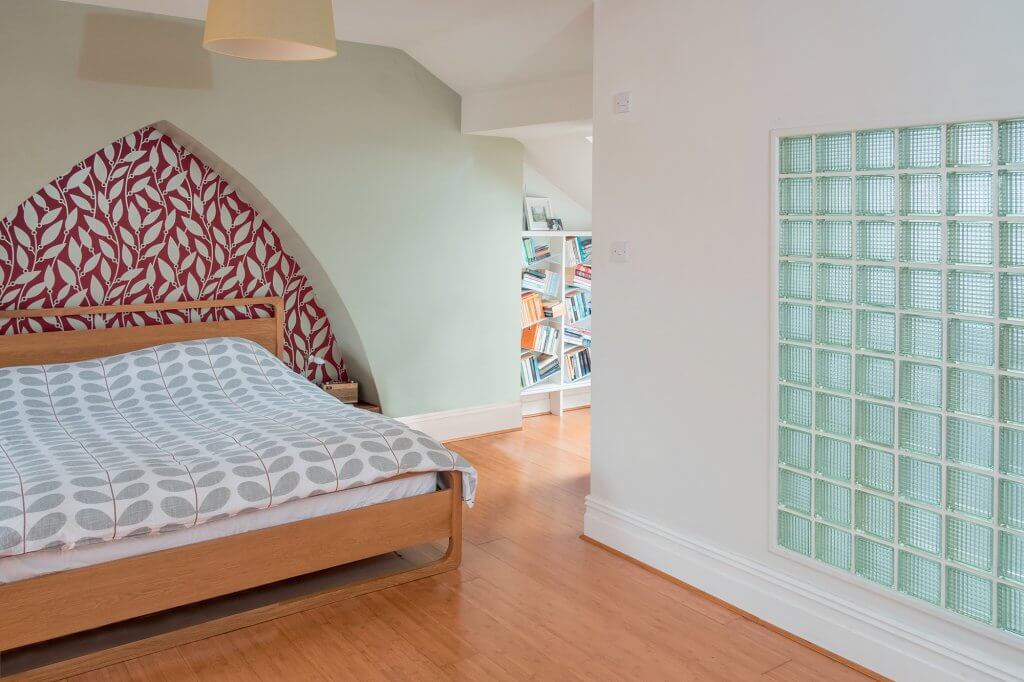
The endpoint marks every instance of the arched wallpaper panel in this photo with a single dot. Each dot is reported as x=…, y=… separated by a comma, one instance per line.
x=145, y=220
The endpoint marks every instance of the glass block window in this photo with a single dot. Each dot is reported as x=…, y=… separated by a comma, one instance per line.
x=900, y=361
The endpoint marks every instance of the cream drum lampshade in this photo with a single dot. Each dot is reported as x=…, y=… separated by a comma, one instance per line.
x=272, y=30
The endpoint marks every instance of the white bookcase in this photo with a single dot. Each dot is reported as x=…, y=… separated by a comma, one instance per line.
x=557, y=393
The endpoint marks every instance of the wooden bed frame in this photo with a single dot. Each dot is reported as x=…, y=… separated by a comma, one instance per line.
x=51, y=606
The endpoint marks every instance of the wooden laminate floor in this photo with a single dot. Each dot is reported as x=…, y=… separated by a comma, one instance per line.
x=531, y=601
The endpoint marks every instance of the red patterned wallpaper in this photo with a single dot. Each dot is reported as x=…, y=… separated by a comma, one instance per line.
x=144, y=220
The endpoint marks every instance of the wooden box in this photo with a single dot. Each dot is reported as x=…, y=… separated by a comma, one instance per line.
x=347, y=392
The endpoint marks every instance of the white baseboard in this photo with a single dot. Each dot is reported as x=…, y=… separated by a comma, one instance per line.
x=866, y=637
x=467, y=422
x=541, y=403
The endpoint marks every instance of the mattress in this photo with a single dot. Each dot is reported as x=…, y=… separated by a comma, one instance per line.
x=34, y=564
x=169, y=438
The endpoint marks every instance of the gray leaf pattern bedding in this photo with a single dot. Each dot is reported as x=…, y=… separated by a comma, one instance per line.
x=170, y=437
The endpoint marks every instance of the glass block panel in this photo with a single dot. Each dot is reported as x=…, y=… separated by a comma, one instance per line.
x=832, y=503
x=876, y=377
x=833, y=546
x=970, y=242
x=833, y=458
x=795, y=448
x=1011, y=141
x=795, y=364
x=795, y=196
x=920, y=577
x=1011, y=556
x=875, y=469
x=920, y=432
x=795, y=406
x=920, y=481
x=876, y=516
x=1011, y=400
x=921, y=241
x=795, y=533
x=876, y=149
x=875, y=423
x=795, y=237
x=795, y=279
x=795, y=154
x=970, y=392
x=834, y=326
x=971, y=293
x=969, y=194
x=1010, y=609
x=876, y=240
x=1011, y=347
x=833, y=152
x=970, y=442
x=876, y=331
x=972, y=343
x=833, y=414
x=1011, y=451
x=835, y=283
x=921, y=384
x=876, y=285
x=920, y=529
x=795, y=321
x=921, y=336
x=835, y=239
x=969, y=543
x=876, y=195
x=875, y=562
x=921, y=289
x=969, y=493
x=921, y=147
x=795, y=491
x=1011, y=244
x=1011, y=192
x=969, y=595
x=969, y=144
x=834, y=370
x=921, y=194
x=1011, y=504
x=834, y=195
x=1011, y=296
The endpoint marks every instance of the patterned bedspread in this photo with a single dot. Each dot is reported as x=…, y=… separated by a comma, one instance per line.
x=177, y=435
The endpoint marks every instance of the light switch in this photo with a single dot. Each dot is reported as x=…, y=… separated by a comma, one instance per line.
x=623, y=103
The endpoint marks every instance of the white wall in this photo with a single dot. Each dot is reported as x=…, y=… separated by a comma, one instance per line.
x=572, y=215
x=566, y=160
x=680, y=446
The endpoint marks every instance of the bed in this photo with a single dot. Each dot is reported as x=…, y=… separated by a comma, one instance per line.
x=151, y=467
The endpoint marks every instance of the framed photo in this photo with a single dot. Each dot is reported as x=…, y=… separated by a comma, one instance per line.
x=538, y=213
x=555, y=224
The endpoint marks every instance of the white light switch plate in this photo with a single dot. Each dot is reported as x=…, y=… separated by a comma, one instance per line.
x=623, y=103
x=620, y=252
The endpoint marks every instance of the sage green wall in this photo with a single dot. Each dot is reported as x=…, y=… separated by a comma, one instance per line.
x=411, y=223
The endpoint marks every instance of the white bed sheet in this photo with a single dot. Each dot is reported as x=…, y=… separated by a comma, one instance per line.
x=34, y=564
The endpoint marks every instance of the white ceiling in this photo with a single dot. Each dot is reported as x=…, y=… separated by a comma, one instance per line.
x=472, y=45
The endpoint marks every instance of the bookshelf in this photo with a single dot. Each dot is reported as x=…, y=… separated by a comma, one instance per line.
x=555, y=338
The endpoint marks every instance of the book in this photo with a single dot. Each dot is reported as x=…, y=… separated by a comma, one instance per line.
x=540, y=338
x=577, y=364
x=544, y=282
x=577, y=305
x=577, y=250
x=534, y=251
x=578, y=276
x=532, y=308
x=577, y=337
x=553, y=309
x=536, y=367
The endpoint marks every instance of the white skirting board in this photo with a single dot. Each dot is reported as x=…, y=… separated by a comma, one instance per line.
x=542, y=403
x=849, y=630
x=467, y=422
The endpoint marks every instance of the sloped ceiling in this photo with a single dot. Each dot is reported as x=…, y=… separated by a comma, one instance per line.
x=472, y=45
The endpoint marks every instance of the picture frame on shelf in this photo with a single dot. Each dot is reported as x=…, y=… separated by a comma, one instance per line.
x=555, y=225
x=538, y=213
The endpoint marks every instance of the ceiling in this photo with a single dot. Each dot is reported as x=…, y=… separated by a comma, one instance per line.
x=472, y=45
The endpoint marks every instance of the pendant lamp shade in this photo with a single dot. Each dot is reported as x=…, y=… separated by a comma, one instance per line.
x=272, y=30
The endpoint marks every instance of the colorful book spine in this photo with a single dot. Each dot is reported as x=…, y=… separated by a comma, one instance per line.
x=577, y=364
x=577, y=305
x=532, y=308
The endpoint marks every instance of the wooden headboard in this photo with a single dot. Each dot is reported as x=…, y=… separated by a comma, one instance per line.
x=40, y=348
